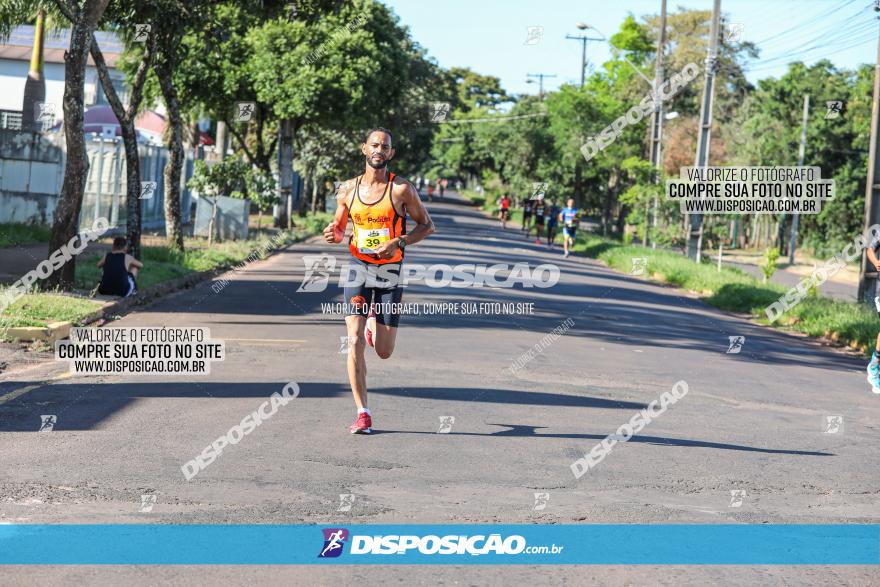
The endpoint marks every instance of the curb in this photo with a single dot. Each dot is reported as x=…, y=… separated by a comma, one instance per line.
x=54, y=331
x=60, y=330
x=162, y=289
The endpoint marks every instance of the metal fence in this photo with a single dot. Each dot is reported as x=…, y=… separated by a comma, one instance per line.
x=32, y=172
x=106, y=188
x=10, y=119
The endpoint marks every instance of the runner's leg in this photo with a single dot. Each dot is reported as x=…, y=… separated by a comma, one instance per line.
x=387, y=320
x=357, y=366
x=357, y=299
x=385, y=338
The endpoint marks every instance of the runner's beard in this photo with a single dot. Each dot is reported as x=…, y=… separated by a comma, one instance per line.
x=377, y=165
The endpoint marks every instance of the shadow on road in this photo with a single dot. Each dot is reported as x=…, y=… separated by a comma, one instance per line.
x=519, y=431
x=97, y=402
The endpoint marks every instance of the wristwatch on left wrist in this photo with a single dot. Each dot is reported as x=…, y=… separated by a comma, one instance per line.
x=401, y=244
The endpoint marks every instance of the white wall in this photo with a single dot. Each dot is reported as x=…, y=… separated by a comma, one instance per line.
x=13, y=75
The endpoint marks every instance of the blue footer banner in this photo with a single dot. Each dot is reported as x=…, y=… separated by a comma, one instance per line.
x=596, y=544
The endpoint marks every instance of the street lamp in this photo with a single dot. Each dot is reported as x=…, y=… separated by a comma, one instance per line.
x=540, y=82
x=583, y=39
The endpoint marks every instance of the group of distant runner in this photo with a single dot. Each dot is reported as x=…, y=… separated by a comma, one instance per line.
x=440, y=184
x=545, y=217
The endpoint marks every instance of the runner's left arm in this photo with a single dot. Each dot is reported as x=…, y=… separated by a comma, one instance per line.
x=414, y=209
x=417, y=211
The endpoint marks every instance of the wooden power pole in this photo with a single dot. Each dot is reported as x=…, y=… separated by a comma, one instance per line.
x=657, y=122
x=802, y=151
x=695, y=238
x=872, y=189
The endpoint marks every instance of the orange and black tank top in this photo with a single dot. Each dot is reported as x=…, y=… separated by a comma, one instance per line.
x=374, y=224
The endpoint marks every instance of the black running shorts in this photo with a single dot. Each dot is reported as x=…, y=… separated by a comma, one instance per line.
x=361, y=297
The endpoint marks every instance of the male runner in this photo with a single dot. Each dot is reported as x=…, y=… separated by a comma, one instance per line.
x=874, y=365
x=552, y=221
x=569, y=219
x=377, y=203
x=505, y=210
x=539, y=220
x=527, y=216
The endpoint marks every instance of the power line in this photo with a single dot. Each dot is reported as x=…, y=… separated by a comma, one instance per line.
x=842, y=36
x=806, y=23
x=826, y=50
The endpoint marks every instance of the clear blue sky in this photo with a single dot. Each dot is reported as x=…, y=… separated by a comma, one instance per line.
x=489, y=35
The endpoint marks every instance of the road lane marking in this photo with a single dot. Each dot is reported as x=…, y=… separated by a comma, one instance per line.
x=261, y=340
x=17, y=392
x=23, y=390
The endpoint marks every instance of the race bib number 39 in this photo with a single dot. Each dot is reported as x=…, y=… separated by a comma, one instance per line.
x=368, y=240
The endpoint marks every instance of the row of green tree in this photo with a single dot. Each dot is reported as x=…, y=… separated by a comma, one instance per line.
x=540, y=140
x=320, y=72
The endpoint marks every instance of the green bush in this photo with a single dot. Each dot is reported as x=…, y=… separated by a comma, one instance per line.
x=730, y=289
x=768, y=268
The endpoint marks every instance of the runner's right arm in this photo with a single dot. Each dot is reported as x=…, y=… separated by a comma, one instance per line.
x=335, y=231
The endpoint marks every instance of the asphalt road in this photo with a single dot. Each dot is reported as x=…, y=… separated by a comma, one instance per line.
x=752, y=421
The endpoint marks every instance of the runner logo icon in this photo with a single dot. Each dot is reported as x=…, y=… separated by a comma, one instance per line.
x=318, y=269
x=334, y=540
x=736, y=344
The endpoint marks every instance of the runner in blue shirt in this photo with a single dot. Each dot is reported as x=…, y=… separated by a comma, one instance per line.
x=569, y=218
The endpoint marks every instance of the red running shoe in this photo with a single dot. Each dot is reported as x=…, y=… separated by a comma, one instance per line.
x=362, y=425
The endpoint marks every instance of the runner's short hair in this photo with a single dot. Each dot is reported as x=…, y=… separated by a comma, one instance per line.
x=119, y=242
x=378, y=129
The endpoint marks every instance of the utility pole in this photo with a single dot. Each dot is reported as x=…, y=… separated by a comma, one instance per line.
x=285, y=188
x=695, y=238
x=657, y=122
x=795, y=218
x=872, y=189
x=220, y=144
x=578, y=166
x=540, y=77
x=583, y=39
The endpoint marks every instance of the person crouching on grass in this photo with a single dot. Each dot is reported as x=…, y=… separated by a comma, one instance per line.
x=120, y=271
